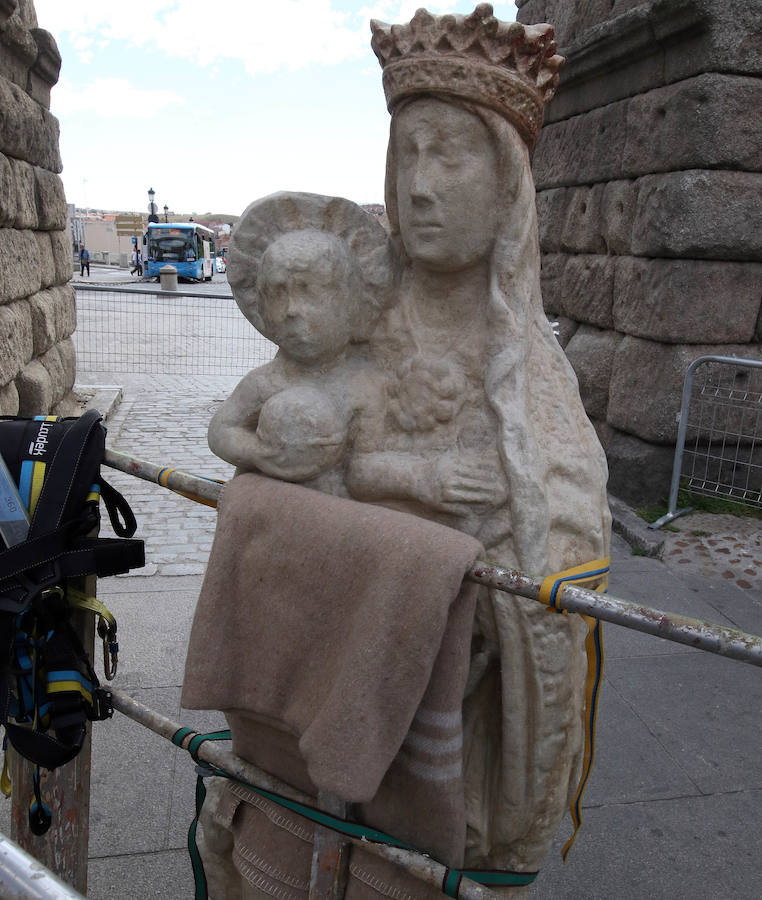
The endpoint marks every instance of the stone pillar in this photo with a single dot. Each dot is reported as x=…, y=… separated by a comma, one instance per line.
x=37, y=305
x=648, y=178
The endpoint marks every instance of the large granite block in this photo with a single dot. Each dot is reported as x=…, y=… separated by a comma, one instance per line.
x=20, y=270
x=582, y=149
x=624, y=55
x=531, y=11
x=60, y=362
x=18, y=50
x=619, y=205
x=582, y=225
x=7, y=193
x=44, y=73
x=551, y=281
x=551, y=217
x=647, y=134
x=728, y=43
x=699, y=214
x=24, y=195
x=591, y=353
x=639, y=472
x=51, y=200
x=16, y=340
x=687, y=301
x=47, y=265
x=569, y=17
x=51, y=361
x=27, y=130
x=647, y=384
x=698, y=123
x=68, y=356
x=587, y=290
x=35, y=390
x=63, y=259
x=645, y=45
x=9, y=399
x=54, y=316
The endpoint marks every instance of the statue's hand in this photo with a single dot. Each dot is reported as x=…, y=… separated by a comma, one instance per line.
x=450, y=484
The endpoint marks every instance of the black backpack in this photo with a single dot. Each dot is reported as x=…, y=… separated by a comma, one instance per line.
x=47, y=682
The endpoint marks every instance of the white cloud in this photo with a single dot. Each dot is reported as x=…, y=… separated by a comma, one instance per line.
x=265, y=35
x=112, y=98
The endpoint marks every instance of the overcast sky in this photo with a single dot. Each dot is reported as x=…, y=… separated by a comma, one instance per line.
x=214, y=104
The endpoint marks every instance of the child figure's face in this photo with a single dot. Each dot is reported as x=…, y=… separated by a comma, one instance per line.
x=305, y=295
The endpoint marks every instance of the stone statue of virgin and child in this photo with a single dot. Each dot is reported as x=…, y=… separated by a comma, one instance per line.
x=417, y=371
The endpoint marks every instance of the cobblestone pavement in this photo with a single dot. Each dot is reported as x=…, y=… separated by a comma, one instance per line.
x=163, y=419
x=717, y=547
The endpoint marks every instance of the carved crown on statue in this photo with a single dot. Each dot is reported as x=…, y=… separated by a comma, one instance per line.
x=509, y=67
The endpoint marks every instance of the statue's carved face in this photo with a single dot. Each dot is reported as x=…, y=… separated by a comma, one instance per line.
x=304, y=302
x=446, y=185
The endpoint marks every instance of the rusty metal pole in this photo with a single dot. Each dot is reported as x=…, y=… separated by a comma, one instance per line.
x=66, y=791
x=696, y=633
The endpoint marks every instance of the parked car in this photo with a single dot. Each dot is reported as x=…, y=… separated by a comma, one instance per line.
x=220, y=265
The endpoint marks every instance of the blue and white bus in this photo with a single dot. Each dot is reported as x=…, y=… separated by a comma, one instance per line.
x=187, y=246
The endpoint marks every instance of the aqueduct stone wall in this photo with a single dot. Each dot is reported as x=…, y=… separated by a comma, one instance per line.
x=649, y=186
x=37, y=306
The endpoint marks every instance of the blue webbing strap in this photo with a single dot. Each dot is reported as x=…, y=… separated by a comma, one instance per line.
x=452, y=877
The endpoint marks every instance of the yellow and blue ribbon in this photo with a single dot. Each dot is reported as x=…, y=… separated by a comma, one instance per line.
x=592, y=575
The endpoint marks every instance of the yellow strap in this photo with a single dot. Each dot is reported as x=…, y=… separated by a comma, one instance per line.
x=62, y=687
x=38, y=477
x=5, y=778
x=80, y=600
x=593, y=575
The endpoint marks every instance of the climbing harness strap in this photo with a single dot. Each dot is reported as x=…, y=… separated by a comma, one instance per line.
x=55, y=464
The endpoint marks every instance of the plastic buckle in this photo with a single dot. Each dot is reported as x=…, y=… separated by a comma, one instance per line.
x=103, y=705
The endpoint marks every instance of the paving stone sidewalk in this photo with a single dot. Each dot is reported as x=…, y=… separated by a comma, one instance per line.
x=164, y=420
x=717, y=547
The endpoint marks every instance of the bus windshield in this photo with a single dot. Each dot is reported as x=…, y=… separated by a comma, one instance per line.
x=171, y=245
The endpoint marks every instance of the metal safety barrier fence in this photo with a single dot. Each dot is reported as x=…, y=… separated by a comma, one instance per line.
x=719, y=439
x=149, y=331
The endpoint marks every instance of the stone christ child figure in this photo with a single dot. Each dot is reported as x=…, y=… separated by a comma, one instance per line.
x=292, y=418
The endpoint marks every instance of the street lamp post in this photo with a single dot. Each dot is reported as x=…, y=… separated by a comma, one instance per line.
x=152, y=207
x=166, y=211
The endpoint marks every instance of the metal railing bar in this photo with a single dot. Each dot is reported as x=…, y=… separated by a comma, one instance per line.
x=22, y=877
x=695, y=633
x=417, y=864
x=102, y=289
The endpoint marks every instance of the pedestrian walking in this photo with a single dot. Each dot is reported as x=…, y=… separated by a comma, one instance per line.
x=137, y=263
x=84, y=260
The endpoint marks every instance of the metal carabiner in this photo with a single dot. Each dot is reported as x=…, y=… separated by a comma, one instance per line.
x=110, y=648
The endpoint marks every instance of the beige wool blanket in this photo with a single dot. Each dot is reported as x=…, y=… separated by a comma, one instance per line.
x=340, y=633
